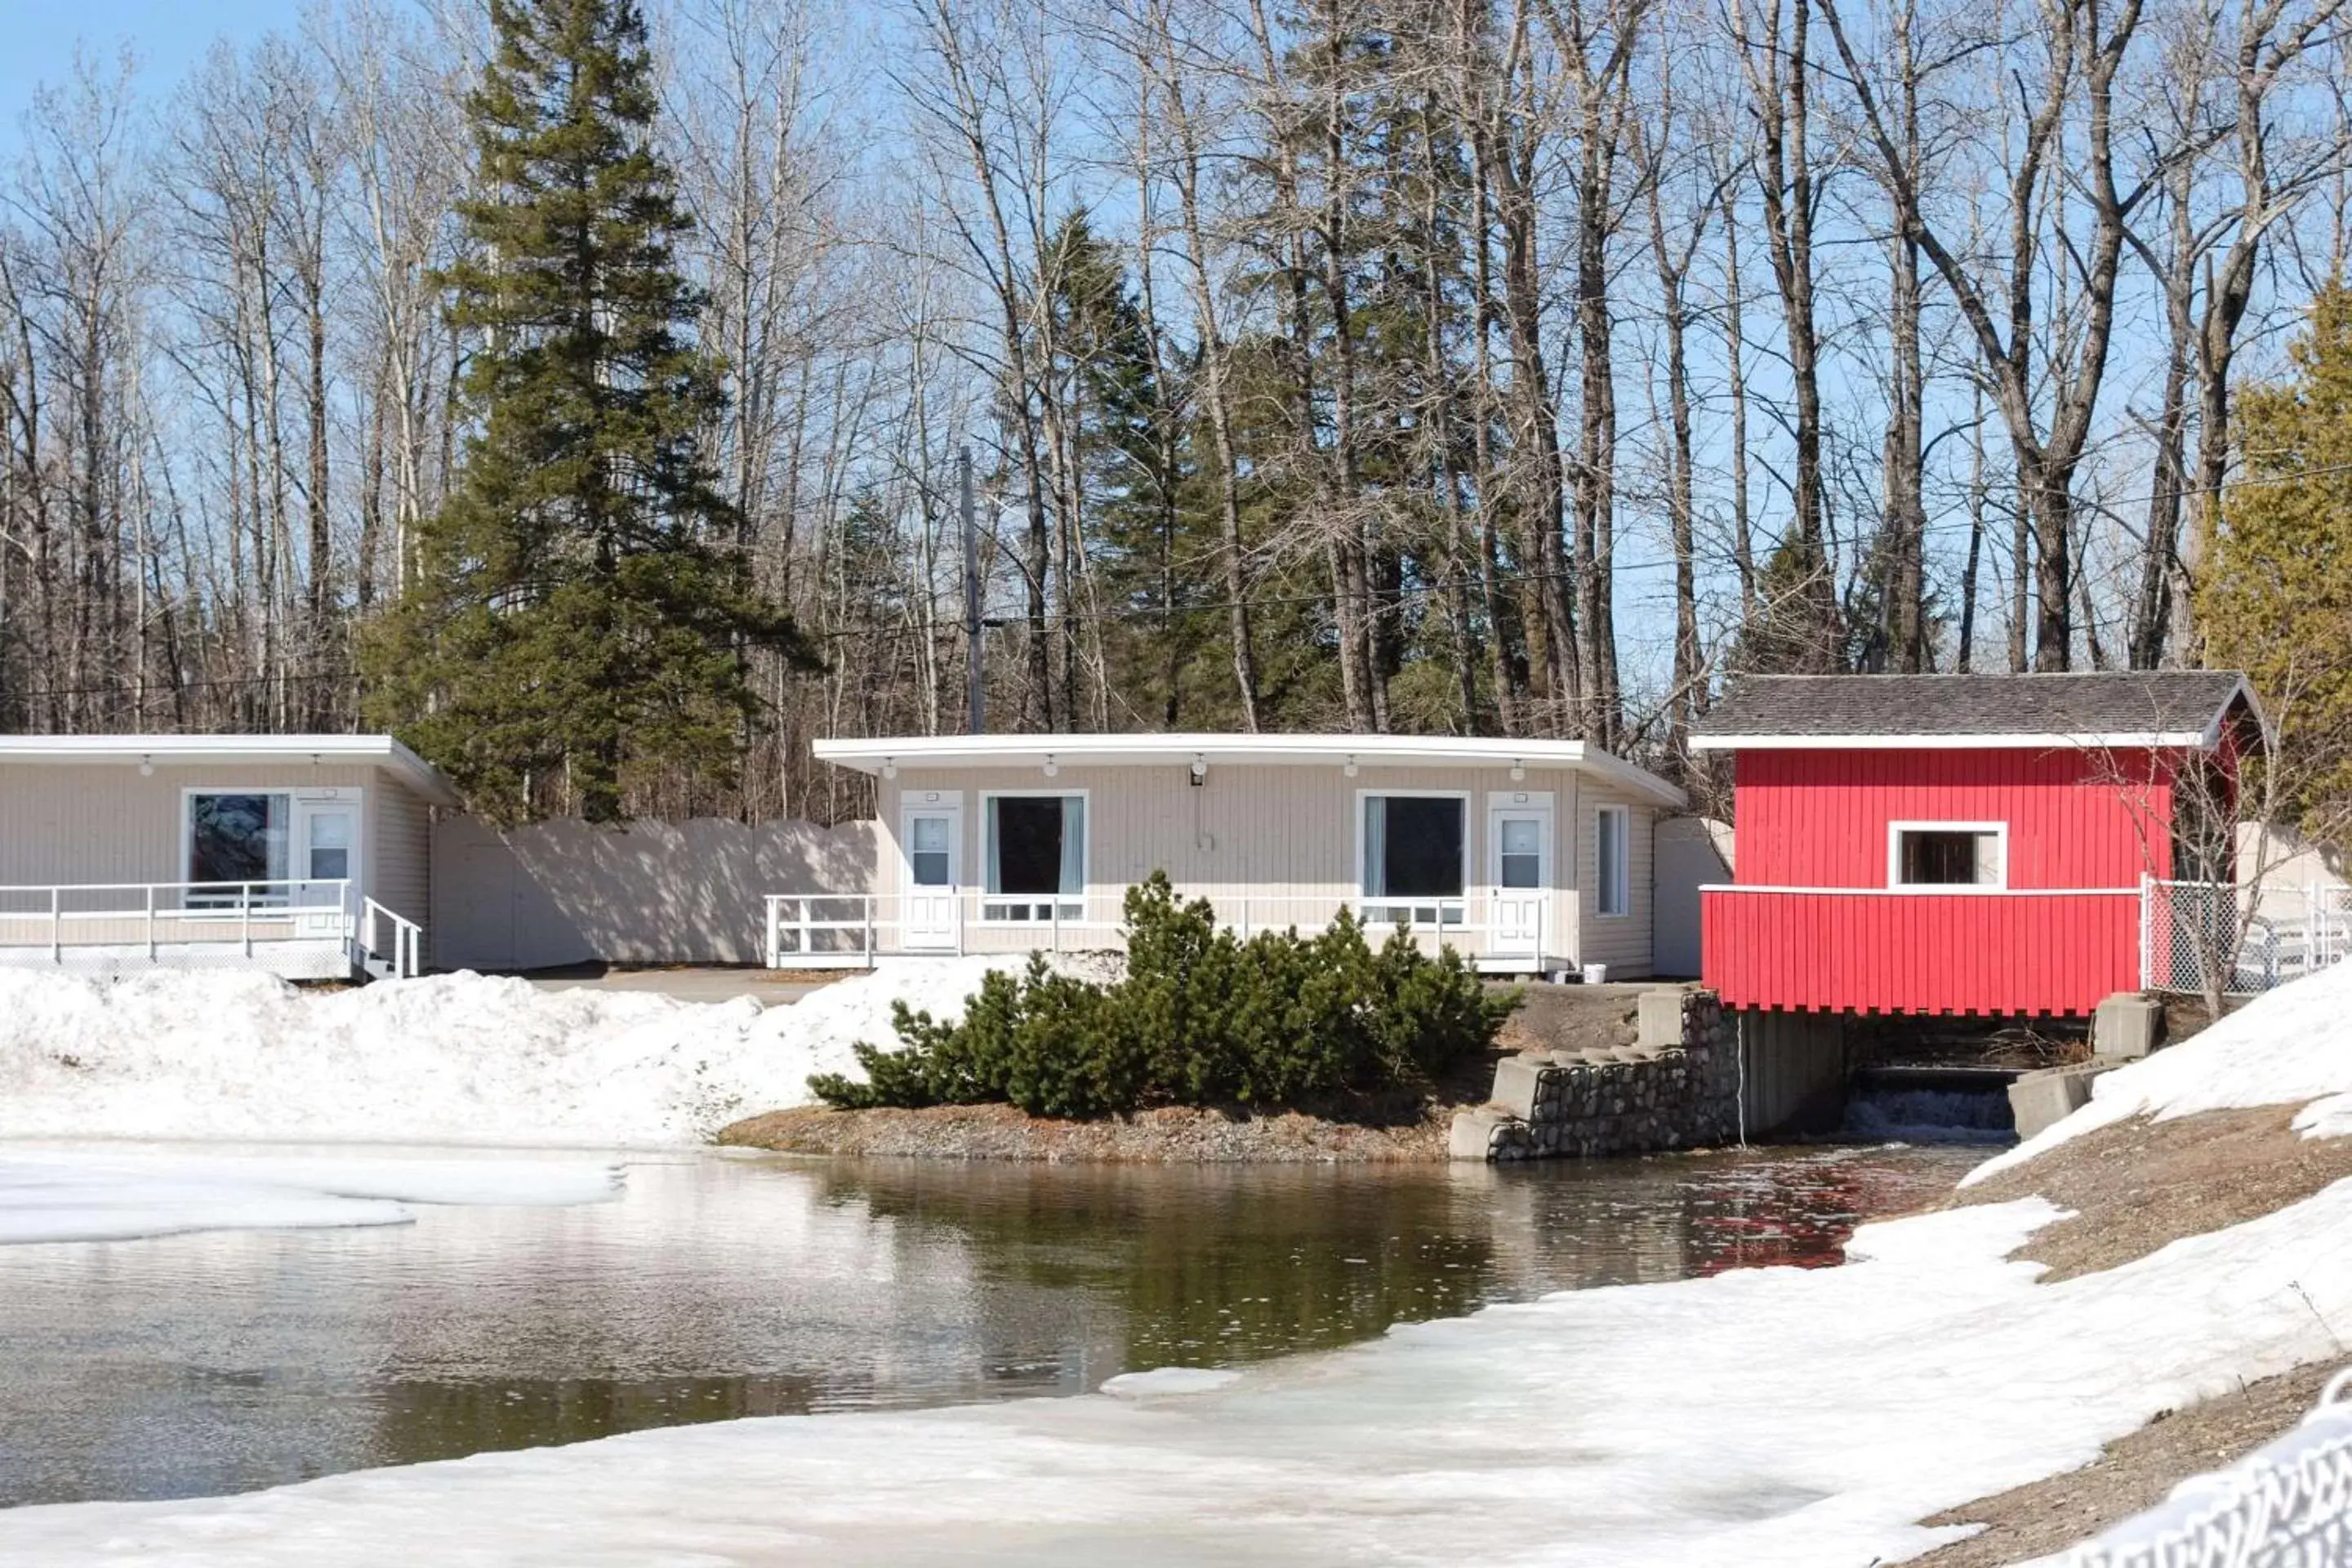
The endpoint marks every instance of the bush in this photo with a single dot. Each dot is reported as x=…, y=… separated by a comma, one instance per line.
x=1201, y=1018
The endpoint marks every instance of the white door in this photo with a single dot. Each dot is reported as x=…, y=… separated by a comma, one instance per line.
x=326, y=852
x=1519, y=873
x=932, y=839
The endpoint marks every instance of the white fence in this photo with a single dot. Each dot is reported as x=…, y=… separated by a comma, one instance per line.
x=301, y=930
x=833, y=930
x=2254, y=937
x=2288, y=1504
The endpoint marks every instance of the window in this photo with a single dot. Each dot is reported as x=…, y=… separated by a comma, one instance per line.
x=1036, y=858
x=927, y=851
x=1612, y=892
x=1415, y=858
x=1947, y=854
x=1521, y=852
x=237, y=837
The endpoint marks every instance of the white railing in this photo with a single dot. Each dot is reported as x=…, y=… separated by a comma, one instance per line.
x=832, y=931
x=308, y=929
x=2252, y=936
x=404, y=953
x=152, y=921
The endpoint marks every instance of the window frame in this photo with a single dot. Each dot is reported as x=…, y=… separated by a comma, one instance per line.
x=1069, y=907
x=1895, y=832
x=1366, y=900
x=1622, y=886
x=221, y=897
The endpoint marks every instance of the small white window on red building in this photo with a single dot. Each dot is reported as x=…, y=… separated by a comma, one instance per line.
x=1947, y=854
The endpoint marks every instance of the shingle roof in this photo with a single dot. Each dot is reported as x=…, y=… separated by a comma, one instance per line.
x=2112, y=706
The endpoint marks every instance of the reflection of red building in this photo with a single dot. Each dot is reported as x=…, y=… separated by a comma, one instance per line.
x=1963, y=843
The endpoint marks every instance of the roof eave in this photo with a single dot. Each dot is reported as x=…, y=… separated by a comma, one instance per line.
x=2152, y=740
x=871, y=755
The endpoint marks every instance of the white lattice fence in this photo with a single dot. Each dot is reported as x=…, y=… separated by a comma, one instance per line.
x=2285, y=1505
x=2252, y=938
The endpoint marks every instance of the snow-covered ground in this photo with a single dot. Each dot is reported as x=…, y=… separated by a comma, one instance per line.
x=458, y=1059
x=1756, y=1417
x=113, y=1195
x=2292, y=1047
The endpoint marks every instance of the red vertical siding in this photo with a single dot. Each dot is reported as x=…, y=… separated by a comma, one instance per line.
x=1818, y=819
x=1919, y=953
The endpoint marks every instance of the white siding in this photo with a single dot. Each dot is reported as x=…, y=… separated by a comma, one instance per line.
x=400, y=851
x=1282, y=837
x=104, y=821
x=1621, y=941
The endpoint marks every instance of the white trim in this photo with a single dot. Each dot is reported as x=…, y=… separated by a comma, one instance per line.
x=234, y=750
x=950, y=804
x=1180, y=749
x=980, y=894
x=1624, y=864
x=1929, y=890
x=1365, y=895
x=1895, y=832
x=2021, y=741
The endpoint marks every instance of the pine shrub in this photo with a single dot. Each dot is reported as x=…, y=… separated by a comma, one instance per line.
x=1201, y=1018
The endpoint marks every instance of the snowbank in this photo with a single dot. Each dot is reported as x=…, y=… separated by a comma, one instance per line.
x=459, y=1058
x=1776, y=1417
x=2290, y=1046
x=54, y=1195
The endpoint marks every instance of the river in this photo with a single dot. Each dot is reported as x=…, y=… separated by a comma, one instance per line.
x=720, y=1286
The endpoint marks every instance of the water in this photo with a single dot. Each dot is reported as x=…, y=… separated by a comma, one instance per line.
x=723, y=1287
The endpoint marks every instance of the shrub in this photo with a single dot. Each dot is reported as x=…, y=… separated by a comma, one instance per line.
x=1203, y=1017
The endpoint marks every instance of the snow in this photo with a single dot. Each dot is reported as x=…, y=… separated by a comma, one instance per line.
x=1770, y=1417
x=82, y=1195
x=2287, y=1046
x=456, y=1058
x=1756, y=1417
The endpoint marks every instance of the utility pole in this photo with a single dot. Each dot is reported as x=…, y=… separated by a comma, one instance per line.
x=975, y=669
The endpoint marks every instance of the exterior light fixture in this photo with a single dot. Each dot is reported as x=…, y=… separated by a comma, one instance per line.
x=889, y=767
x=146, y=767
x=1200, y=768
x=1052, y=767
x=1350, y=769
x=1518, y=770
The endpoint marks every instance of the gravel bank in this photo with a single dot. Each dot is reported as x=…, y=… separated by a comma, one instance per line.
x=1174, y=1135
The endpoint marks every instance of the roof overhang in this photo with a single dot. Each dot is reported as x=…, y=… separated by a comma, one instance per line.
x=872, y=756
x=2205, y=740
x=2125, y=741
x=235, y=751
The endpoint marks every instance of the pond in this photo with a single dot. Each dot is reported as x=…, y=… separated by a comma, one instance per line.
x=721, y=1286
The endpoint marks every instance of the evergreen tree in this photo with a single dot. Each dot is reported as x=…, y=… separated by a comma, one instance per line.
x=581, y=604
x=2275, y=598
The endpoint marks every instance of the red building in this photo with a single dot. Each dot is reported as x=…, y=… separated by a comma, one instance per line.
x=1963, y=843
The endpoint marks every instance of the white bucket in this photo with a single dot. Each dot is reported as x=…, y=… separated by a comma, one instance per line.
x=1596, y=975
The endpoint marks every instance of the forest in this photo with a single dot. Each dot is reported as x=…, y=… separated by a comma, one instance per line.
x=1510, y=367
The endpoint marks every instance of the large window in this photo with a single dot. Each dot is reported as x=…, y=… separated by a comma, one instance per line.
x=1036, y=858
x=1416, y=856
x=238, y=837
x=1947, y=854
x=1612, y=861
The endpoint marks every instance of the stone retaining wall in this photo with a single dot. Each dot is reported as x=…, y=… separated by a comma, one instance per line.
x=1677, y=1088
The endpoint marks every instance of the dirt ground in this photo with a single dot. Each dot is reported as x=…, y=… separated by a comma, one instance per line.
x=1404, y=1131
x=2133, y=1475
x=2133, y=1187
x=2139, y=1184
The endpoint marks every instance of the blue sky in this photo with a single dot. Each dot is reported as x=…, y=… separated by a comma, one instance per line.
x=37, y=38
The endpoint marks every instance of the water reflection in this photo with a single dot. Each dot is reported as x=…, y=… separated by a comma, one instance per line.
x=723, y=1287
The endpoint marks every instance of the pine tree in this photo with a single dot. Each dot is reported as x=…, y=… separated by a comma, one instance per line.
x=2275, y=598
x=582, y=602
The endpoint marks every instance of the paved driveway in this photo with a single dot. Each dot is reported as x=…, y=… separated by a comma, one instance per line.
x=691, y=984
